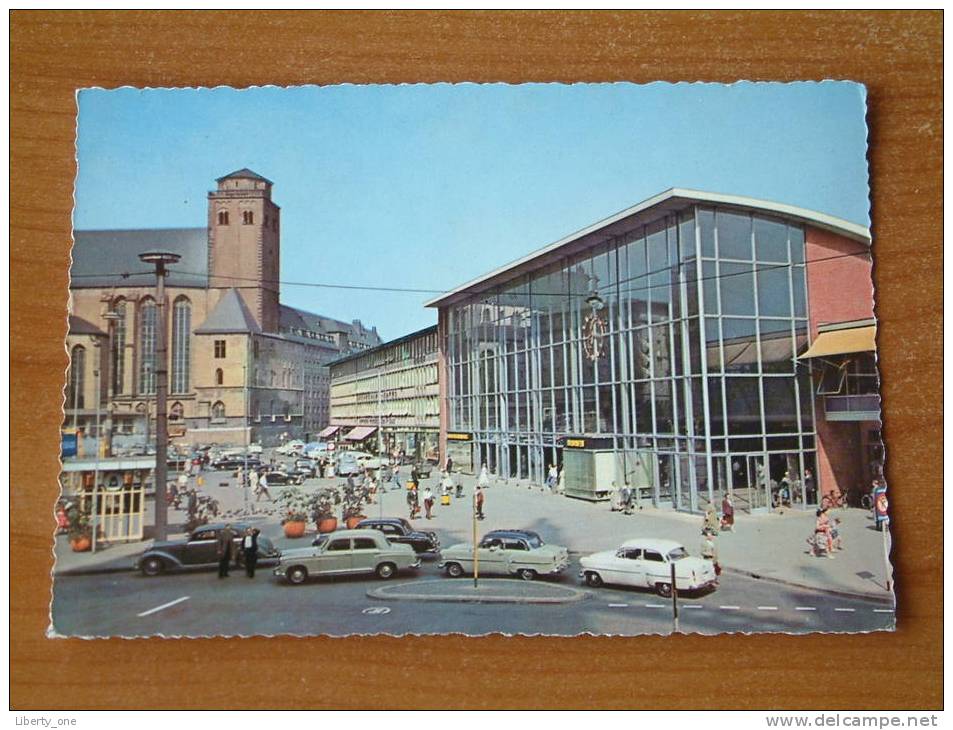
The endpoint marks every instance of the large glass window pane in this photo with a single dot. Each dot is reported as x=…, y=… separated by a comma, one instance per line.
x=694, y=346
x=740, y=345
x=777, y=347
x=743, y=401
x=706, y=229
x=686, y=235
x=780, y=415
x=643, y=408
x=774, y=292
x=643, y=353
x=664, y=416
x=661, y=351
x=770, y=240
x=796, y=234
x=716, y=418
x=713, y=344
x=737, y=289
x=805, y=396
x=797, y=278
x=734, y=235
x=710, y=285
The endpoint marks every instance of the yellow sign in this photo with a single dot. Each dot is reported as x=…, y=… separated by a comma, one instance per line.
x=459, y=436
x=575, y=443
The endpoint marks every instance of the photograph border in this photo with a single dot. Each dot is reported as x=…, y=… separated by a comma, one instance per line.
x=898, y=55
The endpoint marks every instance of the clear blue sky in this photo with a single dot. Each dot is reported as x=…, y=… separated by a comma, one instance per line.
x=430, y=186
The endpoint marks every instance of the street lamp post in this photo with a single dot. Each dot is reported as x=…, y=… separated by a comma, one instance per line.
x=161, y=259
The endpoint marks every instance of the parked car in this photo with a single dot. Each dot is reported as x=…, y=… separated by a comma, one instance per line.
x=346, y=552
x=198, y=550
x=399, y=530
x=647, y=563
x=281, y=477
x=507, y=552
x=308, y=467
x=346, y=464
x=425, y=469
x=290, y=448
x=255, y=449
x=236, y=462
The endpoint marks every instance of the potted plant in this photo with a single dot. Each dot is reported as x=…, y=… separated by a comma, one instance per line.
x=80, y=531
x=322, y=508
x=294, y=503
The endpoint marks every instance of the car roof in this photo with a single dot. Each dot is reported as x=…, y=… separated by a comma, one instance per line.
x=653, y=544
x=350, y=533
x=220, y=525
x=511, y=533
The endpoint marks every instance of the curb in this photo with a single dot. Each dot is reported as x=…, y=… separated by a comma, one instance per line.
x=889, y=599
x=383, y=594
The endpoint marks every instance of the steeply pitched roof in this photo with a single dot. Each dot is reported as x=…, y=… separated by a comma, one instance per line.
x=291, y=318
x=244, y=174
x=101, y=258
x=80, y=326
x=229, y=316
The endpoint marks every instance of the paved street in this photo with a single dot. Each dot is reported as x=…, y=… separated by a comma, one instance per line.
x=110, y=605
x=770, y=582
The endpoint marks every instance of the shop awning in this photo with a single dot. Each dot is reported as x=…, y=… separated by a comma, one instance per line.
x=359, y=433
x=842, y=342
x=329, y=432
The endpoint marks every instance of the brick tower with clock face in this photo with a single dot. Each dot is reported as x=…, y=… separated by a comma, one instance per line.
x=244, y=243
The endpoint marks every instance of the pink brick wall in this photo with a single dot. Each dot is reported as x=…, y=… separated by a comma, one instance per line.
x=838, y=289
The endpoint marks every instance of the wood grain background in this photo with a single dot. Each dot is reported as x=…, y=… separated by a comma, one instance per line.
x=897, y=54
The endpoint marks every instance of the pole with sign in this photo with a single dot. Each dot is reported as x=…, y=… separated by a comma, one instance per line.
x=882, y=519
x=476, y=553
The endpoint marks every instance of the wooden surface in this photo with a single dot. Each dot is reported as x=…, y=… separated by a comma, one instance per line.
x=898, y=55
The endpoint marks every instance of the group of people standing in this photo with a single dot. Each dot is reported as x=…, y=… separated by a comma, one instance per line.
x=227, y=550
x=827, y=537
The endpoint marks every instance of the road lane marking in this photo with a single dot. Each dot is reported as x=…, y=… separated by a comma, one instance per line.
x=618, y=605
x=376, y=610
x=767, y=608
x=730, y=608
x=845, y=610
x=883, y=610
x=691, y=606
x=164, y=605
x=804, y=608
x=655, y=605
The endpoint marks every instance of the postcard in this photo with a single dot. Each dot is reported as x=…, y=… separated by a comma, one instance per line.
x=540, y=359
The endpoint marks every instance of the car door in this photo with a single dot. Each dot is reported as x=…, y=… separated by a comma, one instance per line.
x=493, y=560
x=390, y=531
x=516, y=555
x=630, y=568
x=201, y=548
x=364, y=554
x=655, y=567
x=336, y=556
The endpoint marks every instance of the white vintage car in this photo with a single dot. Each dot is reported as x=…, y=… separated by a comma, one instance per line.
x=647, y=563
x=506, y=552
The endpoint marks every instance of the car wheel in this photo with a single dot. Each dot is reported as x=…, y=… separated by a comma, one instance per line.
x=386, y=570
x=664, y=589
x=454, y=570
x=152, y=566
x=527, y=574
x=593, y=580
x=297, y=575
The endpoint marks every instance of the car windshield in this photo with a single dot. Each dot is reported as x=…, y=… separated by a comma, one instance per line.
x=677, y=554
x=534, y=540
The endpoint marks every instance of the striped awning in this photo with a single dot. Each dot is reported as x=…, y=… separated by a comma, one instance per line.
x=329, y=432
x=359, y=433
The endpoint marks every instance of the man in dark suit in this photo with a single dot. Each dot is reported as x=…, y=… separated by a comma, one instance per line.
x=250, y=550
x=224, y=550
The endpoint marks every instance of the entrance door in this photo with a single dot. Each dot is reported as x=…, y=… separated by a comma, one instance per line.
x=749, y=482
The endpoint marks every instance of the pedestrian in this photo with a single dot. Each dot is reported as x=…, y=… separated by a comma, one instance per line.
x=250, y=550
x=822, y=533
x=552, y=478
x=727, y=514
x=446, y=484
x=263, y=488
x=449, y=464
x=810, y=489
x=428, y=502
x=224, y=548
x=484, y=479
x=710, y=552
x=711, y=520
x=415, y=475
x=395, y=475
x=322, y=463
x=561, y=482
x=479, y=498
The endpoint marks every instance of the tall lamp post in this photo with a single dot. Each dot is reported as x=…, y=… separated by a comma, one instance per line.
x=161, y=259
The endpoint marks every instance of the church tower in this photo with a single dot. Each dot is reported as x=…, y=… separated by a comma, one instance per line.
x=244, y=242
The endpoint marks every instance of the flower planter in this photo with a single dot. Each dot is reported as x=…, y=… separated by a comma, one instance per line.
x=353, y=522
x=327, y=524
x=295, y=529
x=80, y=544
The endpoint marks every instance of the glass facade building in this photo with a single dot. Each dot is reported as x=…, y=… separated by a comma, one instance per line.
x=672, y=335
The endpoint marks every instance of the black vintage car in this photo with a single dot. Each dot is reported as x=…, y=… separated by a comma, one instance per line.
x=280, y=478
x=399, y=530
x=199, y=551
x=236, y=462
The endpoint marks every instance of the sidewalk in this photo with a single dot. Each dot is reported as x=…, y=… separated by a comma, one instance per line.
x=770, y=546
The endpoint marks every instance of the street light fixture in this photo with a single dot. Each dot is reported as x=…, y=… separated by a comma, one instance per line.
x=161, y=259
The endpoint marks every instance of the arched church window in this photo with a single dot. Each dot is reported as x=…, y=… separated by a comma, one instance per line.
x=181, y=344
x=218, y=411
x=147, y=347
x=223, y=217
x=75, y=398
x=248, y=217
